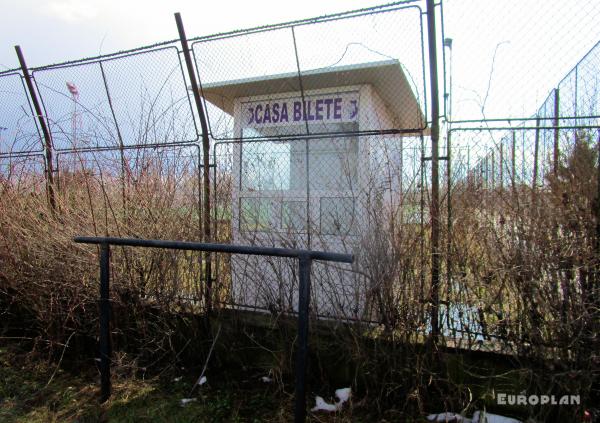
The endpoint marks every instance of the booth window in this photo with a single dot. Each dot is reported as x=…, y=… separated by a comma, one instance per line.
x=256, y=214
x=281, y=165
x=333, y=164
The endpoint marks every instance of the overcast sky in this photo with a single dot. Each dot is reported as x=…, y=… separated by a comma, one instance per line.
x=52, y=31
x=507, y=54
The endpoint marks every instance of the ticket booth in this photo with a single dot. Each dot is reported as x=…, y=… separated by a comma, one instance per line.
x=302, y=177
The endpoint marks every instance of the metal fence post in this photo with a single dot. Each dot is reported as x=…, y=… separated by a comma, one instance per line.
x=205, y=158
x=536, y=152
x=449, y=230
x=44, y=126
x=556, y=130
x=119, y=137
x=597, y=213
x=435, y=182
x=306, y=142
x=513, y=158
x=304, y=266
x=502, y=165
x=105, y=347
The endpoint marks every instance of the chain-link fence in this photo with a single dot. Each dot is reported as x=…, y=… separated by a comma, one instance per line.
x=503, y=58
x=360, y=194
x=321, y=139
x=134, y=100
x=282, y=79
x=520, y=230
x=18, y=131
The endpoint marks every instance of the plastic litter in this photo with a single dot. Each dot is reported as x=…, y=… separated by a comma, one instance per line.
x=342, y=395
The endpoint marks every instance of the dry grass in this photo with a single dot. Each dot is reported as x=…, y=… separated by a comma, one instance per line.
x=525, y=260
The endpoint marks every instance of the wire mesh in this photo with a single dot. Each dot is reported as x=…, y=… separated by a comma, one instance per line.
x=320, y=140
x=506, y=56
x=306, y=78
x=144, y=193
x=360, y=194
x=512, y=212
x=18, y=128
x=148, y=171
x=24, y=174
x=135, y=100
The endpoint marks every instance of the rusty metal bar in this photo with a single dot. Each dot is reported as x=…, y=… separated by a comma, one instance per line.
x=206, y=232
x=43, y=125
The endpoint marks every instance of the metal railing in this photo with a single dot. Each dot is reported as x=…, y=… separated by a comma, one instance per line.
x=305, y=258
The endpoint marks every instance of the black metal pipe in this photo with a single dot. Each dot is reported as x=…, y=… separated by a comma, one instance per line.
x=513, y=158
x=305, y=258
x=217, y=248
x=45, y=130
x=304, y=267
x=105, y=347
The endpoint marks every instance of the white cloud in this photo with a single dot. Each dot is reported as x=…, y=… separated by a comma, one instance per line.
x=72, y=10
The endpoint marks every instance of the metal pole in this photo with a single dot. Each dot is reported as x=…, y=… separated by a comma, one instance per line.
x=597, y=213
x=45, y=131
x=305, y=258
x=449, y=231
x=205, y=158
x=556, y=130
x=536, y=153
x=513, y=159
x=304, y=266
x=306, y=142
x=493, y=169
x=119, y=138
x=105, y=347
x=502, y=164
x=422, y=231
x=435, y=183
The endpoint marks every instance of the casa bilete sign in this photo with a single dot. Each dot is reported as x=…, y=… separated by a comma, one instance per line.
x=325, y=108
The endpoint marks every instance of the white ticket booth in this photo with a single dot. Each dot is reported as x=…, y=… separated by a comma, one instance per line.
x=302, y=177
